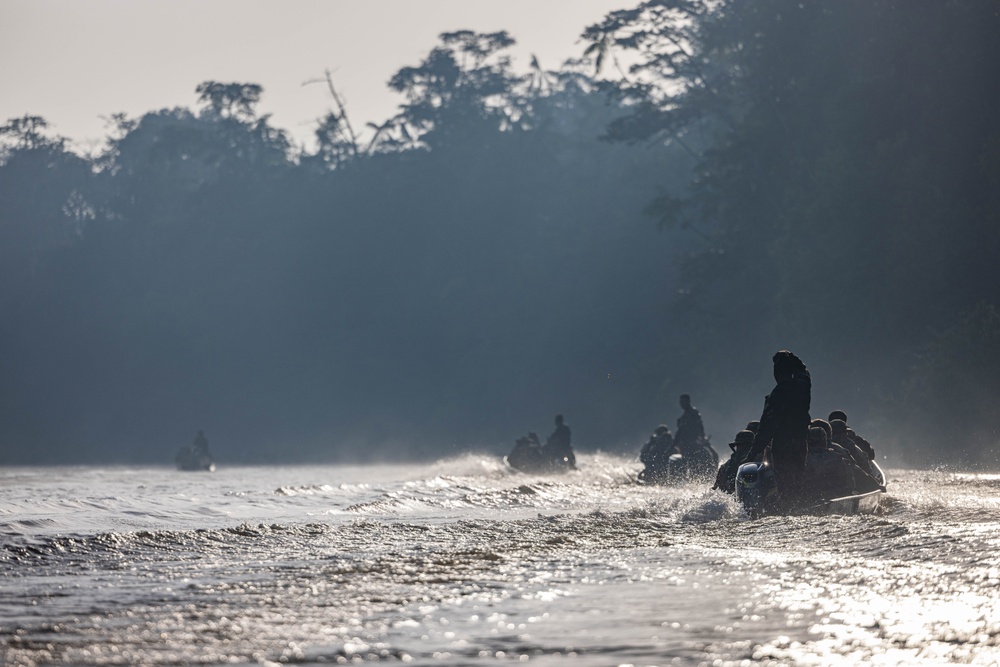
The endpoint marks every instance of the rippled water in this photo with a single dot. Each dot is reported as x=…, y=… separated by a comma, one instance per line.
x=464, y=562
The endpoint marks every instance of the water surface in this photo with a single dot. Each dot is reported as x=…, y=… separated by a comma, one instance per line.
x=464, y=562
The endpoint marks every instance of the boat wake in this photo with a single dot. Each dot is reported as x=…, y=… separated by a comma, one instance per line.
x=464, y=559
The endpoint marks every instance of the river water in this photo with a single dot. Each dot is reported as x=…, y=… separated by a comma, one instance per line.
x=464, y=562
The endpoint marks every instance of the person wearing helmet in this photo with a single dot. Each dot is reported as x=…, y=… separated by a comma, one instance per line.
x=725, y=479
x=865, y=478
x=655, y=454
x=839, y=429
x=558, y=446
x=862, y=444
x=828, y=473
x=825, y=425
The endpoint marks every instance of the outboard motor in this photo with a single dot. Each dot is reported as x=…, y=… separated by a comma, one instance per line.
x=755, y=487
x=700, y=464
x=676, y=468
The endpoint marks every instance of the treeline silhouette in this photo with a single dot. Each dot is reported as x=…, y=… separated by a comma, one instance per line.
x=845, y=195
x=473, y=266
x=824, y=177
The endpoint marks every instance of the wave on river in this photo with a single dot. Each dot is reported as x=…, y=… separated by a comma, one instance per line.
x=466, y=562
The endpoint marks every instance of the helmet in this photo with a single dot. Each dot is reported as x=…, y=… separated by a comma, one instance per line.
x=838, y=414
x=742, y=439
x=825, y=425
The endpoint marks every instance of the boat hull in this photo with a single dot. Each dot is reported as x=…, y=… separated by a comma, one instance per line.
x=758, y=493
x=192, y=461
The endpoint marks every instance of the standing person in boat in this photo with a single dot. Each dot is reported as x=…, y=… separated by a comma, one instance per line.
x=559, y=446
x=784, y=423
x=200, y=445
x=698, y=457
x=690, y=430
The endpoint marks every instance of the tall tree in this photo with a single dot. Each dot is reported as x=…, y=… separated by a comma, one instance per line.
x=464, y=84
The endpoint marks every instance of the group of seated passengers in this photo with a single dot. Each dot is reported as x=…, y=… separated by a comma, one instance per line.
x=838, y=460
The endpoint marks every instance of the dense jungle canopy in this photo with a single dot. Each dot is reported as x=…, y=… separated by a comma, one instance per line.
x=711, y=181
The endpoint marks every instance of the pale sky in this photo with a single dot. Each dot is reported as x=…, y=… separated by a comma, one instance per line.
x=76, y=61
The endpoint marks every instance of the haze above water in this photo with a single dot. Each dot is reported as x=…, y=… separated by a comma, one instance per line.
x=708, y=183
x=705, y=184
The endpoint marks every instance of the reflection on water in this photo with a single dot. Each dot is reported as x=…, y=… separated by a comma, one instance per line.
x=464, y=562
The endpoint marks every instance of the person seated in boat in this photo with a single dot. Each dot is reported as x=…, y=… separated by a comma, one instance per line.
x=784, y=423
x=752, y=426
x=828, y=474
x=862, y=444
x=529, y=441
x=558, y=446
x=867, y=480
x=840, y=436
x=725, y=478
x=825, y=425
x=859, y=467
x=656, y=453
x=527, y=454
x=830, y=444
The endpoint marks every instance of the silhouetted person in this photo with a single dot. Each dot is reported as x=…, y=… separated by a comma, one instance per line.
x=825, y=425
x=840, y=436
x=195, y=456
x=725, y=479
x=559, y=445
x=656, y=453
x=753, y=426
x=784, y=423
x=200, y=445
x=865, y=478
x=830, y=444
x=690, y=431
x=828, y=473
x=862, y=444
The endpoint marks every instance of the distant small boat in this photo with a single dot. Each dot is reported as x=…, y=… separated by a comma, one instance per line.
x=530, y=456
x=680, y=469
x=188, y=458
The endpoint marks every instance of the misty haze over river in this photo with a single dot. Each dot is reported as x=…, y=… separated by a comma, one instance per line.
x=363, y=323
